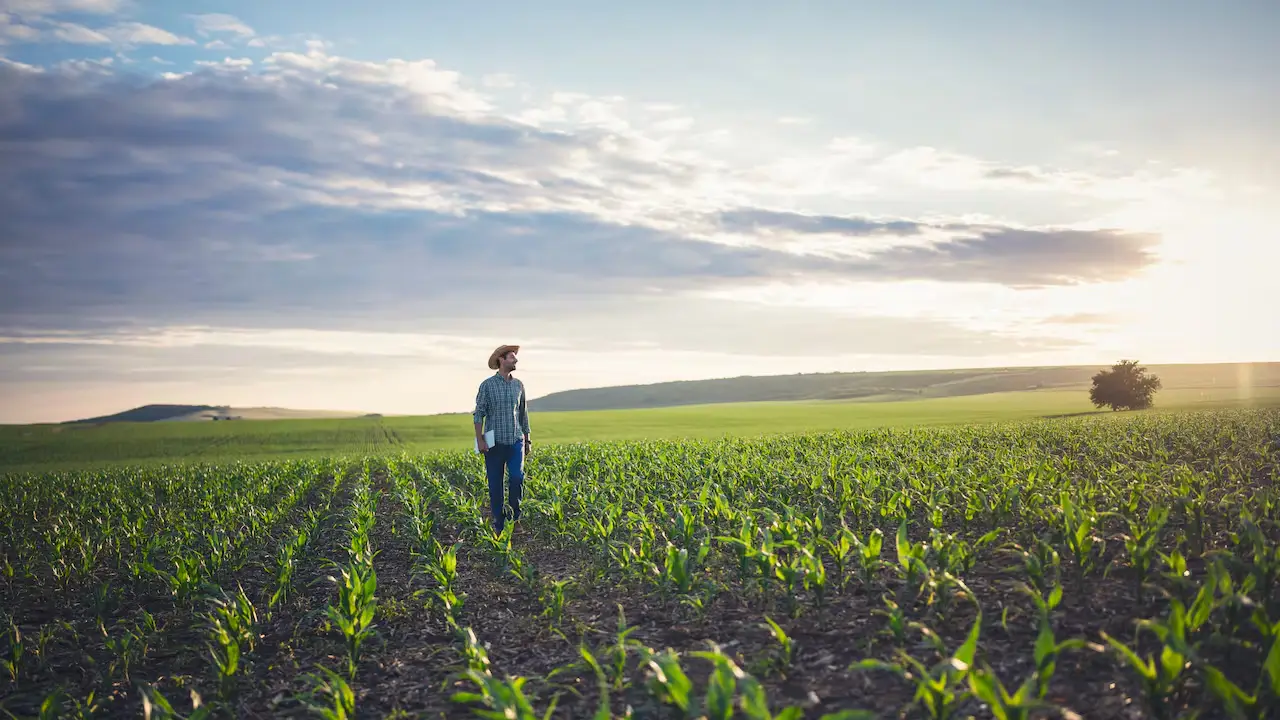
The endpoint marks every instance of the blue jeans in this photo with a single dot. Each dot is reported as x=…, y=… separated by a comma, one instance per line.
x=510, y=458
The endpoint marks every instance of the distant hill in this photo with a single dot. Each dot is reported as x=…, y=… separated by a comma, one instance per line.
x=886, y=386
x=207, y=413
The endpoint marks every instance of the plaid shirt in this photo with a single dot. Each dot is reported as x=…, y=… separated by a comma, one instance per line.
x=503, y=403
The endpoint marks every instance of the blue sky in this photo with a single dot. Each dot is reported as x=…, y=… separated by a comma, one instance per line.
x=318, y=205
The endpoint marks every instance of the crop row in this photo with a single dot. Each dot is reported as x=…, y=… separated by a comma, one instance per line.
x=1083, y=565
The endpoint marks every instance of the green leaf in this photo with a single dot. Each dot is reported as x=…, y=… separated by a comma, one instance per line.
x=1172, y=662
x=1145, y=668
x=970, y=648
x=1233, y=699
x=1044, y=645
x=1272, y=665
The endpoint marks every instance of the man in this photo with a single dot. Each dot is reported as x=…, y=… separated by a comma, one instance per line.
x=501, y=406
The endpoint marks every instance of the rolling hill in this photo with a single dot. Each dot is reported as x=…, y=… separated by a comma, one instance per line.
x=887, y=386
x=205, y=413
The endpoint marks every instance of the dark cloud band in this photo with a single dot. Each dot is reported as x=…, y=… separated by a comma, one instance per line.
x=320, y=188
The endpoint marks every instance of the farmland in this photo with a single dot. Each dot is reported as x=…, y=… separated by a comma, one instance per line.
x=1113, y=565
x=39, y=447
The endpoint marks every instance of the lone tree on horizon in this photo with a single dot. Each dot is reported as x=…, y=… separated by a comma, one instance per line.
x=1124, y=387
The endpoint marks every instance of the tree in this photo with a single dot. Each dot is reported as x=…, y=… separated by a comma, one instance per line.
x=1124, y=387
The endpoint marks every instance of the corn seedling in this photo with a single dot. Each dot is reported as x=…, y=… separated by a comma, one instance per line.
x=354, y=612
x=940, y=688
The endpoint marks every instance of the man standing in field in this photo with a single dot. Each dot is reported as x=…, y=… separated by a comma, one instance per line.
x=501, y=406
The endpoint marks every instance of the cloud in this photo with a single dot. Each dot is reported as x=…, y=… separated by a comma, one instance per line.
x=121, y=35
x=1003, y=173
x=752, y=220
x=41, y=8
x=136, y=33
x=1083, y=318
x=226, y=63
x=962, y=252
x=11, y=28
x=221, y=24
x=311, y=188
x=1022, y=258
x=196, y=353
x=34, y=21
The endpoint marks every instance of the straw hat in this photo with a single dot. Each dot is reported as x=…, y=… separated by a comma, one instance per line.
x=502, y=350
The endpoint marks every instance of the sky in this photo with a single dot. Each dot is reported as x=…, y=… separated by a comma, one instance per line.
x=321, y=205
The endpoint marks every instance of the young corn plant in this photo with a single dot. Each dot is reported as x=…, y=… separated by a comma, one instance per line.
x=666, y=680
x=781, y=660
x=680, y=571
x=731, y=690
x=233, y=627
x=1045, y=604
x=868, y=556
x=477, y=657
x=329, y=685
x=501, y=699
x=126, y=649
x=553, y=599
x=445, y=569
x=940, y=689
x=1047, y=651
x=1140, y=545
x=155, y=705
x=353, y=615
x=911, y=563
x=286, y=563
x=1264, y=700
x=1041, y=564
x=840, y=550
x=12, y=660
x=897, y=623
x=1165, y=674
x=1079, y=528
x=743, y=544
x=1019, y=705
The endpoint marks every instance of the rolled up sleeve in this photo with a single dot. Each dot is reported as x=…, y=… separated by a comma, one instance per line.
x=482, y=406
x=524, y=411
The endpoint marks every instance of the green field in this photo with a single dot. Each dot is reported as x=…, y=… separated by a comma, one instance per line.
x=897, y=385
x=47, y=446
x=784, y=577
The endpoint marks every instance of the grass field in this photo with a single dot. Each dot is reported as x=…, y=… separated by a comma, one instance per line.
x=69, y=446
x=1116, y=565
x=897, y=385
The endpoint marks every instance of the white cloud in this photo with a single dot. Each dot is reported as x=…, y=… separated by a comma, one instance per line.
x=221, y=23
x=438, y=90
x=11, y=28
x=227, y=63
x=136, y=33
x=124, y=34
x=78, y=34
x=41, y=8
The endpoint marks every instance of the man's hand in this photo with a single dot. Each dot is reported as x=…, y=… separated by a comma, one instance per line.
x=484, y=446
x=528, y=444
